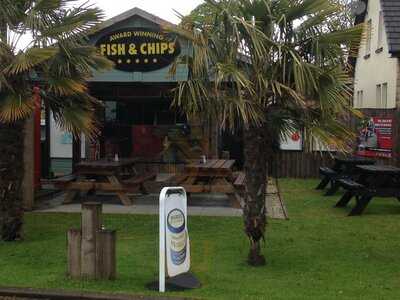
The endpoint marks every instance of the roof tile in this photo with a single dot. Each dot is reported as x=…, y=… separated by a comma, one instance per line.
x=391, y=16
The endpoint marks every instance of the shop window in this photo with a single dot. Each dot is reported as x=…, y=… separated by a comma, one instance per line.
x=381, y=95
x=165, y=118
x=110, y=111
x=359, y=99
x=384, y=95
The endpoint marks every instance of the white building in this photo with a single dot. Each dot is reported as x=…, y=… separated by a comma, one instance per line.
x=377, y=82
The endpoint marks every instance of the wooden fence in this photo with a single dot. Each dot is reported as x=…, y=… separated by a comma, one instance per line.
x=299, y=164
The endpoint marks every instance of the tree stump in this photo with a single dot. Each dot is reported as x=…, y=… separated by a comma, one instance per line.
x=91, y=250
x=91, y=224
x=105, y=254
x=74, y=237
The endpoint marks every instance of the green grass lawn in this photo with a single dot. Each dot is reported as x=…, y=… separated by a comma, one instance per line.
x=320, y=253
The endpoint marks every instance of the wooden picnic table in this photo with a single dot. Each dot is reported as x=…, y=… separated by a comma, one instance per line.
x=344, y=167
x=373, y=181
x=214, y=176
x=119, y=177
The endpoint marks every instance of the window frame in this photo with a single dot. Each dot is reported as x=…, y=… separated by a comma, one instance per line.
x=378, y=95
x=384, y=99
x=359, y=99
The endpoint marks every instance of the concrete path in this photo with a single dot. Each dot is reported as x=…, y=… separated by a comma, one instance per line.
x=199, y=205
x=275, y=207
x=146, y=205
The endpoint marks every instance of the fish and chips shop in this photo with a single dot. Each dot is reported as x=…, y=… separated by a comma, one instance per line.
x=136, y=118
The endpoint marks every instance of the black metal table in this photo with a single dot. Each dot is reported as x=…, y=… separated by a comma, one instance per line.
x=373, y=181
x=344, y=167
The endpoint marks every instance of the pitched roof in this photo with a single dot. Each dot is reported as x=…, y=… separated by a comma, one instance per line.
x=130, y=13
x=391, y=16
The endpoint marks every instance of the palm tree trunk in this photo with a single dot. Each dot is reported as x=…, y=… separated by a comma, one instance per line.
x=11, y=176
x=254, y=212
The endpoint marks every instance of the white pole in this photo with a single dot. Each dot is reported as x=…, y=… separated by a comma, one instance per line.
x=161, y=278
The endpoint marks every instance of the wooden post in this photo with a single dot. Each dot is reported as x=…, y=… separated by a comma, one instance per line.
x=105, y=255
x=28, y=188
x=91, y=223
x=76, y=152
x=74, y=237
x=37, y=142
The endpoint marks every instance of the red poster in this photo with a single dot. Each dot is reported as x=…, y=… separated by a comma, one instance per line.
x=145, y=142
x=376, y=138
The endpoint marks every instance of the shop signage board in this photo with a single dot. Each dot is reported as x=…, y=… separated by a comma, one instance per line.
x=292, y=141
x=139, y=49
x=174, y=238
x=376, y=137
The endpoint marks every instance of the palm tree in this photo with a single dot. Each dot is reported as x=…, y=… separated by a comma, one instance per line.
x=55, y=63
x=270, y=66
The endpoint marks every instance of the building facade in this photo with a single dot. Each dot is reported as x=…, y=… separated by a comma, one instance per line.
x=136, y=116
x=376, y=82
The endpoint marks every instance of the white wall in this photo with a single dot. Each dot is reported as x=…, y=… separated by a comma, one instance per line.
x=61, y=142
x=378, y=68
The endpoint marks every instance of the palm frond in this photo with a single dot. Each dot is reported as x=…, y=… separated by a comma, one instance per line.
x=14, y=106
x=26, y=61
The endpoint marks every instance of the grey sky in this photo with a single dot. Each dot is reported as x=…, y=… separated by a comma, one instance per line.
x=161, y=8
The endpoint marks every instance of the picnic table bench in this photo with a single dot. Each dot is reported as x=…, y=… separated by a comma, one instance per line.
x=119, y=177
x=373, y=181
x=214, y=176
x=240, y=180
x=344, y=167
x=61, y=181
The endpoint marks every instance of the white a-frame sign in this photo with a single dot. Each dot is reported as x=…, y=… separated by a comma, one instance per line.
x=174, y=237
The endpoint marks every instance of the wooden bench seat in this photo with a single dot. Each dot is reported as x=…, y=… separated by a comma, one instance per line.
x=328, y=176
x=140, y=178
x=327, y=171
x=63, y=180
x=350, y=185
x=240, y=179
x=239, y=182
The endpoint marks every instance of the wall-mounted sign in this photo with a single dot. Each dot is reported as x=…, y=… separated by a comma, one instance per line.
x=292, y=141
x=139, y=49
x=174, y=237
x=376, y=137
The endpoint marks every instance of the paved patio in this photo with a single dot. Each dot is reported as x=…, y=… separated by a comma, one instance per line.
x=217, y=205
x=204, y=205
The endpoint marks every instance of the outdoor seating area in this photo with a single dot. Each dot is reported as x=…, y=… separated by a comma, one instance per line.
x=200, y=149
x=343, y=167
x=361, y=179
x=122, y=178
x=105, y=175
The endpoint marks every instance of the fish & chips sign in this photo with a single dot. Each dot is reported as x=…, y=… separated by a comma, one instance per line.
x=139, y=49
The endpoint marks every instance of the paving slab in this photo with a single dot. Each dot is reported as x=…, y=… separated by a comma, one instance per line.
x=151, y=208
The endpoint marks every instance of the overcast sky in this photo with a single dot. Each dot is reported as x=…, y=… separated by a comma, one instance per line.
x=161, y=8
